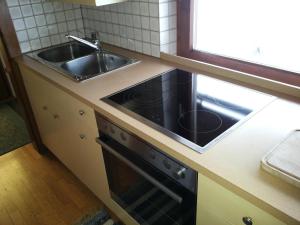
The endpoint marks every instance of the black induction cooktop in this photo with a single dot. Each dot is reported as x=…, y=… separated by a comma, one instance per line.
x=194, y=109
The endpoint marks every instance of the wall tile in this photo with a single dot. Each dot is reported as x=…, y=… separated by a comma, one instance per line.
x=22, y=35
x=26, y=10
x=60, y=16
x=146, y=48
x=43, y=31
x=46, y=42
x=33, y=33
x=40, y=20
x=141, y=25
x=138, y=46
x=58, y=6
x=154, y=10
x=30, y=22
x=164, y=37
x=163, y=9
x=37, y=9
x=19, y=24
x=154, y=37
x=35, y=44
x=25, y=46
x=24, y=2
x=12, y=3
x=144, y=9
x=164, y=24
x=48, y=7
x=146, y=36
x=154, y=24
x=145, y=22
x=146, y=26
x=155, y=51
x=42, y=23
x=50, y=18
x=15, y=12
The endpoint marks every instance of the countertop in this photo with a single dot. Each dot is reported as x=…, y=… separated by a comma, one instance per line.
x=233, y=162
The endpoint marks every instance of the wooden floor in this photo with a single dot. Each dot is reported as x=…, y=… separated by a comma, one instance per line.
x=39, y=190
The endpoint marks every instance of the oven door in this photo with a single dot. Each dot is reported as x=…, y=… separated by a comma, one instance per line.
x=143, y=191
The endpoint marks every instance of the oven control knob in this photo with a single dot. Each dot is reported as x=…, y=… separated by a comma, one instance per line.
x=179, y=173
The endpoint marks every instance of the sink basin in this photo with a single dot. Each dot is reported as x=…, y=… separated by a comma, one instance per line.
x=94, y=64
x=79, y=62
x=65, y=52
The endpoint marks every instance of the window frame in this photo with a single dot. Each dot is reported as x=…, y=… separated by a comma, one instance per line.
x=185, y=49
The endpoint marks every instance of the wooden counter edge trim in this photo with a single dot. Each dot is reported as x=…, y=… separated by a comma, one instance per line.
x=277, y=213
x=273, y=86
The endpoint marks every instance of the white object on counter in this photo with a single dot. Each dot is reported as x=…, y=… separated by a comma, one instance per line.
x=284, y=160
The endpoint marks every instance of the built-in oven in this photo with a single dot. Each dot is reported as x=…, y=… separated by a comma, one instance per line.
x=151, y=186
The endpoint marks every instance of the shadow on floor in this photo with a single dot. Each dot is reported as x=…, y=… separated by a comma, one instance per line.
x=13, y=132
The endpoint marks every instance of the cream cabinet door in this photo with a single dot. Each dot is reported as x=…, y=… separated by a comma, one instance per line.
x=83, y=154
x=94, y=2
x=40, y=98
x=219, y=206
x=68, y=128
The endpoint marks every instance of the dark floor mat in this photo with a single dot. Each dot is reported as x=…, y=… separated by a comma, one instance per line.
x=13, y=132
x=97, y=218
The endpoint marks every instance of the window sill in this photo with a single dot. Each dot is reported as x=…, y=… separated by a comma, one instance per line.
x=273, y=87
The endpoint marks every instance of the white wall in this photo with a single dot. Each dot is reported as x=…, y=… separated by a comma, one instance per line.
x=41, y=23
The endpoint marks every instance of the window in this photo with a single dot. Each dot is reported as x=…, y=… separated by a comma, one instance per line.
x=260, y=37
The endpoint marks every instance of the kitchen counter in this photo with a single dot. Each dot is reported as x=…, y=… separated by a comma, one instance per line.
x=234, y=162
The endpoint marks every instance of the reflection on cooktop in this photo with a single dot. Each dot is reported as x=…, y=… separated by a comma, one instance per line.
x=192, y=108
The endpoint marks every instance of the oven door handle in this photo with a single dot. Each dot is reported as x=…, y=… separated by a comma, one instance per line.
x=152, y=180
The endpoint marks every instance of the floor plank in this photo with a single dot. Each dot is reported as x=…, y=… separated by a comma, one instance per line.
x=39, y=190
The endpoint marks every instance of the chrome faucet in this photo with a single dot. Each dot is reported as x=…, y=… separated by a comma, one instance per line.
x=95, y=43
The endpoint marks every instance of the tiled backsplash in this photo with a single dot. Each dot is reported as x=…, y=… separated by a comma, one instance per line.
x=41, y=23
x=168, y=26
x=146, y=26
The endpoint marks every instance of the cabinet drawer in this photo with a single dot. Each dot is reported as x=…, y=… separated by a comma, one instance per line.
x=219, y=206
x=74, y=110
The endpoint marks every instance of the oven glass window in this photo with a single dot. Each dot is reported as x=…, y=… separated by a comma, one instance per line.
x=143, y=200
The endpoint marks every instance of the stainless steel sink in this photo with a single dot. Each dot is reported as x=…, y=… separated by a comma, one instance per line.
x=94, y=64
x=80, y=62
x=65, y=52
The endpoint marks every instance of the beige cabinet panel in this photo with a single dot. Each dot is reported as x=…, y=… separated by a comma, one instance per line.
x=68, y=128
x=94, y=2
x=219, y=206
x=38, y=93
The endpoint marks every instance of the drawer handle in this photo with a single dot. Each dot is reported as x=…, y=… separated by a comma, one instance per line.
x=81, y=112
x=247, y=220
x=45, y=107
x=55, y=116
x=82, y=136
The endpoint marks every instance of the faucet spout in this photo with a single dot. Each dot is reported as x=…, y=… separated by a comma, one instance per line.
x=90, y=44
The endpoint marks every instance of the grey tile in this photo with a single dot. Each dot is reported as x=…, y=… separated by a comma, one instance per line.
x=15, y=12
x=19, y=24
x=30, y=22
x=26, y=10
